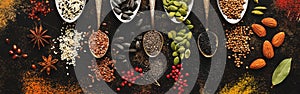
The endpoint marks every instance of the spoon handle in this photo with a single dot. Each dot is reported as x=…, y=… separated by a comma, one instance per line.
x=152, y=6
x=98, y=9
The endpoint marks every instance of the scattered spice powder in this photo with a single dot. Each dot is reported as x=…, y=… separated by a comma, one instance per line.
x=238, y=41
x=32, y=84
x=245, y=85
x=292, y=8
x=7, y=11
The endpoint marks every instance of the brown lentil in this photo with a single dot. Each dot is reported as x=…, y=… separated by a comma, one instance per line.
x=238, y=41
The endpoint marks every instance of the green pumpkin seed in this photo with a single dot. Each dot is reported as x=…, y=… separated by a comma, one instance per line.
x=188, y=22
x=176, y=3
x=176, y=60
x=172, y=14
x=174, y=54
x=260, y=7
x=282, y=71
x=177, y=14
x=178, y=39
x=165, y=2
x=180, y=34
x=182, y=11
x=184, y=6
x=190, y=27
x=187, y=44
x=257, y=12
x=181, y=18
x=187, y=53
x=189, y=35
x=181, y=49
x=173, y=45
x=181, y=56
x=172, y=8
x=183, y=42
x=170, y=35
x=182, y=31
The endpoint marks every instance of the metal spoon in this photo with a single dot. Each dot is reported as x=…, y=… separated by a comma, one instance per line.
x=152, y=6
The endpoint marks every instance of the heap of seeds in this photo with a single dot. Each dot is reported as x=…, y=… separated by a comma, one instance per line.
x=7, y=11
x=152, y=43
x=69, y=44
x=98, y=44
x=232, y=8
x=105, y=70
x=238, y=41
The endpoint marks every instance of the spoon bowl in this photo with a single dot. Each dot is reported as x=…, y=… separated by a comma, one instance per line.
x=59, y=4
x=234, y=21
x=119, y=16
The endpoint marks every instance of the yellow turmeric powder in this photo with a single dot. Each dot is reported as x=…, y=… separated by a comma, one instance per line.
x=245, y=85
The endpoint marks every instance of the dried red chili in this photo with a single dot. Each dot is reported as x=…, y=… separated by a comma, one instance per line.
x=292, y=8
x=39, y=8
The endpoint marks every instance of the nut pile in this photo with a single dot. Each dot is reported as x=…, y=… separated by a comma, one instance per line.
x=267, y=48
x=232, y=8
x=125, y=9
x=69, y=43
x=98, y=44
x=105, y=70
x=152, y=43
x=176, y=8
x=238, y=42
x=71, y=8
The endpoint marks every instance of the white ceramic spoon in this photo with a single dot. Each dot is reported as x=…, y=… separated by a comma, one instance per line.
x=234, y=21
x=119, y=16
x=190, y=6
x=60, y=11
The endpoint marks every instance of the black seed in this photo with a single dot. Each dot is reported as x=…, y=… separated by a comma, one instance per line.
x=125, y=17
x=118, y=11
x=129, y=13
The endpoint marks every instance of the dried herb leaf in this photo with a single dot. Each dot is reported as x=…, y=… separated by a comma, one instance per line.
x=282, y=71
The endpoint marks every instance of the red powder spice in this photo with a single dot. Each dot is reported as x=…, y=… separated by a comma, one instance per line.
x=292, y=8
x=39, y=8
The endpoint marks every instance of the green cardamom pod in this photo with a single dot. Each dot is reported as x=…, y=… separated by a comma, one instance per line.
x=172, y=8
x=181, y=56
x=187, y=44
x=188, y=22
x=173, y=45
x=170, y=35
x=176, y=3
x=189, y=35
x=177, y=14
x=190, y=27
x=176, y=60
x=257, y=12
x=256, y=1
x=181, y=49
x=178, y=39
x=260, y=8
x=174, y=54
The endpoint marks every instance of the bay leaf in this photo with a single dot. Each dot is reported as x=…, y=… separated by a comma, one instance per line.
x=282, y=71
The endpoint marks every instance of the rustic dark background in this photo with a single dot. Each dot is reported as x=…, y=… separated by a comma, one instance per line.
x=12, y=70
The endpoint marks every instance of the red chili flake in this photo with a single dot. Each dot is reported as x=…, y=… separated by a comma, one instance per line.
x=39, y=8
x=292, y=8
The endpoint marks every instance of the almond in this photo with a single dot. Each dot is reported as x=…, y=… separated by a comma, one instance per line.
x=259, y=30
x=278, y=39
x=258, y=64
x=270, y=22
x=268, y=50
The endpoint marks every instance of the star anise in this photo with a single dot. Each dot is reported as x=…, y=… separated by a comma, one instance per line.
x=38, y=37
x=48, y=64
